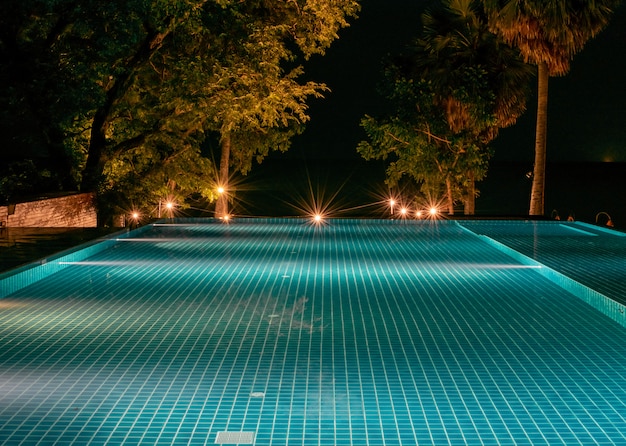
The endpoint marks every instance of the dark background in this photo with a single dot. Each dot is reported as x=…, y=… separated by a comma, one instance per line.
x=586, y=130
x=587, y=111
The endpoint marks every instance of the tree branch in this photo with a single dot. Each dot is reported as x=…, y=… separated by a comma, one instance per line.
x=395, y=138
x=430, y=135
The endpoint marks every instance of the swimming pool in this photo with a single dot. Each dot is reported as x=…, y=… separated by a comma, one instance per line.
x=281, y=332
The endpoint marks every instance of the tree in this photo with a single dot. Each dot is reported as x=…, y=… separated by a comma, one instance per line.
x=85, y=74
x=259, y=103
x=44, y=90
x=548, y=35
x=457, y=87
x=139, y=85
x=145, y=134
x=220, y=67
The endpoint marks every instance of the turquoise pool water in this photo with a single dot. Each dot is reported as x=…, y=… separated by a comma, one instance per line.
x=355, y=332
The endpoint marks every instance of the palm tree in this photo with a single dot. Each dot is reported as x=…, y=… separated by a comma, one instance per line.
x=456, y=45
x=548, y=34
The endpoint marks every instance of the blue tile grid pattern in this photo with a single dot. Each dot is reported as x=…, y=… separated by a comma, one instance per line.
x=281, y=332
x=591, y=255
x=591, y=271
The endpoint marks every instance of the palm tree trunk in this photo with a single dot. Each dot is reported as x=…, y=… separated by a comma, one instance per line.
x=537, y=195
x=470, y=200
x=221, y=206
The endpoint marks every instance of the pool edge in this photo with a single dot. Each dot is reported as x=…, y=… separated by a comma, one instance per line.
x=607, y=306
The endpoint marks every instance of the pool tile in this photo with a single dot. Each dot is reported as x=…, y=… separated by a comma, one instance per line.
x=355, y=333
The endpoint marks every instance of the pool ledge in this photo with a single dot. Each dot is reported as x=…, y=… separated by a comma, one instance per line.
x=599, y=301
x=14, y=280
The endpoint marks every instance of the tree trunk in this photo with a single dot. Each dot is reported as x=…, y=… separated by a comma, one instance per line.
x=221, y=206
x=92, y=174
x=537, y=195
x=470, y=200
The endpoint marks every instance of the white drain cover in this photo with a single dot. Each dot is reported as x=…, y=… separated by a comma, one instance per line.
x=226, y=437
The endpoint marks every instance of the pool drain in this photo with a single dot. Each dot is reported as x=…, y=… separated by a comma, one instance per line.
x=226, y=437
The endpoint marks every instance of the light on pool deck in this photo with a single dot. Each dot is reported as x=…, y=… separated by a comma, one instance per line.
x=318, y=219
x=433, y=211
x=220, y=190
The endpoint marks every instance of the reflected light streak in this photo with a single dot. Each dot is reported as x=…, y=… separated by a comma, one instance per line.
x=150, y=239
x=109, y=263
x=453, y=268
x=494, y=266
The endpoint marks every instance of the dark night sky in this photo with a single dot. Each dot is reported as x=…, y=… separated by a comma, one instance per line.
x=587, y=108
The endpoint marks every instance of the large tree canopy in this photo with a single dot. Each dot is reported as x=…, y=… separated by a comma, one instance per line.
x=129, y=90
x=451, y=93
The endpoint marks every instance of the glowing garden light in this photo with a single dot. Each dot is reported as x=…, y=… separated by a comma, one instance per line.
x=221, y=190
x=132, y=219
x=392, y=203
x=169, y=207
x=317, y=218
x=418, y=214
x=166, y=205
x=433, y=211
x=404, y=211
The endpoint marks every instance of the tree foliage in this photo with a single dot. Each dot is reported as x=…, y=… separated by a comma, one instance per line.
x=550, y=32
x=130, y=90
x=451, y=93
x=261, y=103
